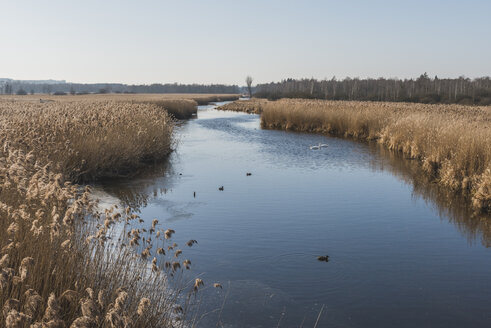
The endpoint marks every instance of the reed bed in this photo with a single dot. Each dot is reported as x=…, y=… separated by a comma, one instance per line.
x=452, y=142
x=86, y=140
x=64, y=260
x=250, y=106
x=201, y=99
x=178, y=108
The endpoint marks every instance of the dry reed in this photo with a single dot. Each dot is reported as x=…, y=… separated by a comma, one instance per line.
x=251, y=106
x=452, y=142
x=58, y=248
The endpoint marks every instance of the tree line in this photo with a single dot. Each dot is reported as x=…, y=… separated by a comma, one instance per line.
x=423, y=89
x=20, y=88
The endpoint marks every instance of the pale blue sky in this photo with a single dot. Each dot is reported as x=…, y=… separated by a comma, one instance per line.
x=222, y=41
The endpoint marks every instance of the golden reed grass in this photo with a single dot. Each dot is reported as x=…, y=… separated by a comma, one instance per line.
x=251, y=106
x=64, y=261
x=452, y=142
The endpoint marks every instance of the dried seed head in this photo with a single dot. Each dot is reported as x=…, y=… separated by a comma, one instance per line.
x=120, y=300
x=191, y=242
x=4, y=261
x=114, y=319
x=100, y=299
x=13, y=229
x=186, y=263
x=25, y=265
x=90, y=292
x=8, y=247
x=15, y=319
x=143, y=306
x=89, y=308
x=168, y=233
x=10, y=304
x=197, y=283
x=146, y=253
x=32, y=303
x=53, y=309
x=176, y=265
x=66, y=244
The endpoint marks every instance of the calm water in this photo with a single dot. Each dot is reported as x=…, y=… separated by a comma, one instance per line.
x=402, y=254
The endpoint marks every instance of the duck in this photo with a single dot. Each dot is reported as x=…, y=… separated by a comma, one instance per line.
x=248, y=174
x=323, y=145
x=221, y=188
x=314, y=147
x=323, y=258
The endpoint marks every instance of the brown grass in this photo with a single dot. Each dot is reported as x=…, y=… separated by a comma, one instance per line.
x=180, y=106
x=251, y=106
x=65, y=262
x=452, y=142
x=86, y=140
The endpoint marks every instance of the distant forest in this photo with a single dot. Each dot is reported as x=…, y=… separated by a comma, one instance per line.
x=20, y=87
x=423, y=89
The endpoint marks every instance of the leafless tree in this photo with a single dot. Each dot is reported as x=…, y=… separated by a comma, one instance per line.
x=249, y=84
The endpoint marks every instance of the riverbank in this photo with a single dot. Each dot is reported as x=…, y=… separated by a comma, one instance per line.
x=81, y=278
x=251, y=106
x=451, y=142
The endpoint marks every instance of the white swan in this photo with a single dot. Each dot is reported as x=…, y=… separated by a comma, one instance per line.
x=319, y=146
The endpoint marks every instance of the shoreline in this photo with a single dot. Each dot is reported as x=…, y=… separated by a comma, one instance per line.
x=47, y=147
x=429, y=134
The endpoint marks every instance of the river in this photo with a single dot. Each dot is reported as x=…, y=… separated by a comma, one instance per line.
x=401, y=252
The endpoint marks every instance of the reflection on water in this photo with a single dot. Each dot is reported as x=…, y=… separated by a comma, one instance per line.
x=450, y=206
x=394, y=258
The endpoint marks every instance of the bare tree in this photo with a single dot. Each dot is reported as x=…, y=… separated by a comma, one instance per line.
x=249, y=85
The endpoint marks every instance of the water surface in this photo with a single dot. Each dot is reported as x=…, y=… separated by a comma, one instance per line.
x=401, y=252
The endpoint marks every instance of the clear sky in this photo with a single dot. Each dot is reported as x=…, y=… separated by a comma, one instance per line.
x=210, y=41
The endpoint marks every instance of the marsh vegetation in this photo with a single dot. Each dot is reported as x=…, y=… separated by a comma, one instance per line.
x=452, y=142
x=65, y=260
x=383, y=222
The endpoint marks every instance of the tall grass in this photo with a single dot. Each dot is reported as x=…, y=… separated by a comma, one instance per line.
x=86, y=140
x=178, y=108
x=64, y=260
x=251, y=106
x=452, y=142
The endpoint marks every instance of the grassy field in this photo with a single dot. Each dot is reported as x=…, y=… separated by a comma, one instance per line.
x=65, y=261
x=451, y=142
